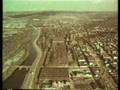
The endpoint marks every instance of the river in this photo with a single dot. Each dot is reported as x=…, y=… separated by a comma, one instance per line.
x=16, y=79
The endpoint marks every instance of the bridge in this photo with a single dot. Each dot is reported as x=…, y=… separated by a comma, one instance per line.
x=64, y=67
x=22, y=67
x=58, y=41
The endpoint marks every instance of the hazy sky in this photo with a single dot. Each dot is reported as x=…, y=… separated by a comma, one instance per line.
x=63, y=5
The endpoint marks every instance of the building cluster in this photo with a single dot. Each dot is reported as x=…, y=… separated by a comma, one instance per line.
x=79, y=50
x=91, y=51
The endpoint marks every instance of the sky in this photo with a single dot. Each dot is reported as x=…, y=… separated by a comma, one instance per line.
x=59, y=5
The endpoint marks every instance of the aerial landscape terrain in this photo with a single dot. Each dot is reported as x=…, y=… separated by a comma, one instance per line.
x=57, y=50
